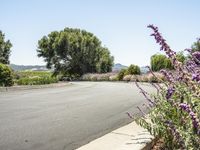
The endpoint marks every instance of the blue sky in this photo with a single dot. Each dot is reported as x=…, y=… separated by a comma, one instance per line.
x=119, y=24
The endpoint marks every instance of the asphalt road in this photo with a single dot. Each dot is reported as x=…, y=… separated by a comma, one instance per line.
x=65, y=118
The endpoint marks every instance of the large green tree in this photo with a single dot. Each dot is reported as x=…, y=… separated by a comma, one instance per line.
x=5, y=47
x=74, y=51
x=159, y=61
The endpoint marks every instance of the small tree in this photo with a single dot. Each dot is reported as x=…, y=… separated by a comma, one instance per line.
x=121, y=74
x=159, y=61
x=133, y=69
x=4, y=49
x=6, y=76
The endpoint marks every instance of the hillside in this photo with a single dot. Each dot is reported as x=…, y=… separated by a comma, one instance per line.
x=117, y=67
x=28, y=67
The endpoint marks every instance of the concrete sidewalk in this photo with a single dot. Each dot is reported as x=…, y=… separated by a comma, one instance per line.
x=129, y=137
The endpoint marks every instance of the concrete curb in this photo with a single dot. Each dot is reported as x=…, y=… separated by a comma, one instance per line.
x=30, y=87
x=129, y=137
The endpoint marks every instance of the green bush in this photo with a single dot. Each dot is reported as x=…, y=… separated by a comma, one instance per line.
x=34, y=77
x=36, y=81
x=6, y=76
x=121, y=74
x=133, y=69
x=28, y=74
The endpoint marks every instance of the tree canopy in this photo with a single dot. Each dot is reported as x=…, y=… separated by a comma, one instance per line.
x=4, y=49
x=74, y=51
x=196, y=45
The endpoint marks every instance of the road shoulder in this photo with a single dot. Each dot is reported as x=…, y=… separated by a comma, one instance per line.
x=30, y=87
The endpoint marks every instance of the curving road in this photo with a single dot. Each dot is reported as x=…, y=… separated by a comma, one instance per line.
x=65, y=118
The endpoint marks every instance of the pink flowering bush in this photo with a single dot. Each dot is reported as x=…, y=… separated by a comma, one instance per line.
x=175, y=109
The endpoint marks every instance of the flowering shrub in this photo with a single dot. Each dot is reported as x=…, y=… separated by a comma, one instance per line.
x=127, y=77
x=175, y=109
x=99, y=77
x=115, y=77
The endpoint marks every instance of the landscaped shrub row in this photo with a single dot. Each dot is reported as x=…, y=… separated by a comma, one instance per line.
x=115, y=77
x=34, y=78
x=145, y=77
x=28, y=74
x=99, y=77
x=36, y=81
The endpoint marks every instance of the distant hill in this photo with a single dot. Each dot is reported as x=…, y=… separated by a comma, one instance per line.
x=117, y=67
x=28, y=67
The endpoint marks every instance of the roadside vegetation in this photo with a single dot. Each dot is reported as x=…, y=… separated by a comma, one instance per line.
x=34, y=78
x=6, y=75
x=148, y=77
x=174, y=110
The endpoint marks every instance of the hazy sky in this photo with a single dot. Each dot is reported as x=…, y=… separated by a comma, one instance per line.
x=119, y=24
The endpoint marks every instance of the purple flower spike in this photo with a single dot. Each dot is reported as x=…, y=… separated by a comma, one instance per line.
x=170, y=92
x=197, y=55
x=162, y=42
x=193, y=116
x=176, y=133
x=184, y=107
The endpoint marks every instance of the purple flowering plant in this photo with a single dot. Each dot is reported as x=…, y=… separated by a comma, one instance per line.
x=175, y=108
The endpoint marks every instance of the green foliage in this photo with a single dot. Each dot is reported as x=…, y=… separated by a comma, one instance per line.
x=6, y=76
x=105, y=62
x=133, y=69
x=74, y=51
x=34, y=78
x=180, y=57
x=159, y=61
x=171, y=123
x=30, y=74
x=4, y=49
x=121, y=74
x=36, y=81
x=196, y=46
